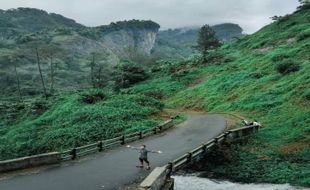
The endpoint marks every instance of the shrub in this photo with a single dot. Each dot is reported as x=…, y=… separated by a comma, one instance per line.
x=128, y=73
x=279, y=57
x=304, y=35
x=93, y=97
x=256, y=75
x=217, y=57
x=287, y=66
x=307, y=94
x=228, y=59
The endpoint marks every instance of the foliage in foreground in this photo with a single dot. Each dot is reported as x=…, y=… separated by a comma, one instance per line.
x=76, y=119
x=251, y=85
x=242, y=77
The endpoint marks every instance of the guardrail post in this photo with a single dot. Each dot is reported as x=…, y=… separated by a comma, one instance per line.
x=204, y=147
x=189, y=157
x=236, y=134
x=73, y=153
x=140, y=134
x=170, y=168
x=123, y=139
x=226, y=134
x=256, y=128
x=100, y=146
x=216, y=141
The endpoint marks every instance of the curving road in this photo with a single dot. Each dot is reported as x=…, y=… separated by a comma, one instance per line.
x=114, y=168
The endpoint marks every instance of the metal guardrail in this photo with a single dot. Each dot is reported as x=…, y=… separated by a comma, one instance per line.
x=99, y=146
x=77, y=152
x=188, y=157
x=193, y=154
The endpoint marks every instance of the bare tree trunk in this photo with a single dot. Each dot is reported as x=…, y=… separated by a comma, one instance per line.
x=92, y=65
x=18, y=82
x=100, y=77
x=52, y=75
x=39, y=67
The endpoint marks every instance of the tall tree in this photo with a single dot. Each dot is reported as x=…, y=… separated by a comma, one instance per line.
x=92, y=67
x=127, y=73
x=52, y=51
x=18, y=82
x=40, y=71
x=97, y=63
x=304, y=4
x=34, y=50
x=14, y=59
x=206, y=41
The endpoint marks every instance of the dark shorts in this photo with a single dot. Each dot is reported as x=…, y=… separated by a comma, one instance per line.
x=144, y=160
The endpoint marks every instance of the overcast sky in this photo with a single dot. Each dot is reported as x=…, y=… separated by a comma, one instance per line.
x=249, y=14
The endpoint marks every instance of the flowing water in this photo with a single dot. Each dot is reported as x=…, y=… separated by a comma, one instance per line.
x=192, y=182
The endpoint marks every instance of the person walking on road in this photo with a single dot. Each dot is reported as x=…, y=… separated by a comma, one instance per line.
x=143, y=155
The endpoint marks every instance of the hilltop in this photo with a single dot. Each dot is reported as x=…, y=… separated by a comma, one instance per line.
x=24, y=20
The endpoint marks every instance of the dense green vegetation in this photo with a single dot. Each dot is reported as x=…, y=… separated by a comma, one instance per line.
x=24, y=32
x=261, y=76
x=128, y=73
x=73, y=66
x=75, y=119
x=24, y=20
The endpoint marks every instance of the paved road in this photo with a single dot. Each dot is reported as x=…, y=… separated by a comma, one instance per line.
x=115, y=168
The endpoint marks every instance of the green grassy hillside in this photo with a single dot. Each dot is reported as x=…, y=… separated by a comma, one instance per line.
x=24, y=20
x=264, y=76
x=73, y=119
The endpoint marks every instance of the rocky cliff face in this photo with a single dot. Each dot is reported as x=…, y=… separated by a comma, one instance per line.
x=119, y=41
x=77, y=43
x=110, y=43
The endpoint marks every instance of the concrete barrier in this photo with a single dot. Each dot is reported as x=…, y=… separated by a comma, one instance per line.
x=166, y=125
x=156, y=179
x=30, y=161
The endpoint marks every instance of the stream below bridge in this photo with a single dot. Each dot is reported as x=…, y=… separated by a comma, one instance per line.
x=193, y=182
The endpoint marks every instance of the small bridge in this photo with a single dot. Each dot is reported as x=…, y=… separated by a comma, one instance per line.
x=115, y=167
x=160, y=177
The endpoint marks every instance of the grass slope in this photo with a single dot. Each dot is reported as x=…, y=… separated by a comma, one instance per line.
x=75, y=119
x=242, y=77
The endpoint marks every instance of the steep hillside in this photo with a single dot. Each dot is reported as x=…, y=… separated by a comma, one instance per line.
x=76, y=49
x=264, y=76
x=261, y=76
x=25, y=20
x=178, y=43
x=73, y=119
x=72, y=45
